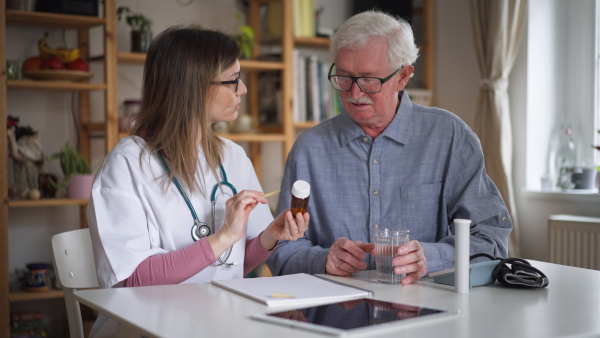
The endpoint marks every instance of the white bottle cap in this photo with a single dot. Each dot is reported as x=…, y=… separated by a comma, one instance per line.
x=301, y=189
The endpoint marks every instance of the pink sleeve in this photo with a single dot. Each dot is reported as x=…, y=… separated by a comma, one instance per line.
x=255, y=254
x=173, y=267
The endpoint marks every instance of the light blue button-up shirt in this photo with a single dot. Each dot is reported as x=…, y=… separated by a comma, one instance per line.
x=423, y=171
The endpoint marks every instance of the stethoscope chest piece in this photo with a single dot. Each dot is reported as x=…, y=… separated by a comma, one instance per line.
x=200, y=230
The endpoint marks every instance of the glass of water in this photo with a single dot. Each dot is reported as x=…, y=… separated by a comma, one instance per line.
x=387, y=242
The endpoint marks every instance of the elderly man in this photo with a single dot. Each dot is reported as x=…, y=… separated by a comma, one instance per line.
x=385, y=162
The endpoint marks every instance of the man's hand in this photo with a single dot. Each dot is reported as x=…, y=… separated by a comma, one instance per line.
x=346, y=257
x=411, y=261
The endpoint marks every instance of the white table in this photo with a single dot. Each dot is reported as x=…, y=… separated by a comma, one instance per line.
x=568, y=307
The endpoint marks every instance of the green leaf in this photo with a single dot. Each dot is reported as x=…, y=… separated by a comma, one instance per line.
x=135, y=21
x=71, y=161
x=248, y=32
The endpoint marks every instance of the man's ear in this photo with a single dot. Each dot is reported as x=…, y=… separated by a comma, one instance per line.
x=405, y=74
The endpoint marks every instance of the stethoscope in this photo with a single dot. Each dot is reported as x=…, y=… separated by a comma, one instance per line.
x=201, y=229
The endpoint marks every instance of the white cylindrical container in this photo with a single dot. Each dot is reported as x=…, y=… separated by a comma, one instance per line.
x=462, y=230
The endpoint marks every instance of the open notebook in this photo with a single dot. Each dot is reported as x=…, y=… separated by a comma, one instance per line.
x=293, y=290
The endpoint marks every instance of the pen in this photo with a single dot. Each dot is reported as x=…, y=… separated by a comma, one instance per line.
x=271, y=193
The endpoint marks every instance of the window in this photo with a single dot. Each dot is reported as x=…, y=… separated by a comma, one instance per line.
x=562, y=68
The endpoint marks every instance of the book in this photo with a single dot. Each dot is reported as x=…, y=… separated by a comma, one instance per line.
x=269, y=88
x=293, y=290
x=297, y=100
x=297, y=18
x=304, y=20
x=274, y=24
x=315, y=88
x=300, y=76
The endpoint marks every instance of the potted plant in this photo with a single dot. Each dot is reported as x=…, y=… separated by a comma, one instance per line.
x=245, y=38
x=141, y=34
x=77, y=171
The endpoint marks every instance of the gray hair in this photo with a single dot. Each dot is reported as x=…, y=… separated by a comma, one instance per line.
x=357, y=31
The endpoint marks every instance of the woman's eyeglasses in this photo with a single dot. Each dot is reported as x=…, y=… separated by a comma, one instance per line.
x=236, y=82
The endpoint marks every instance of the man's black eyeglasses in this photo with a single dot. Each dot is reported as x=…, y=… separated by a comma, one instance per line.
x=236, y=82
x=369, y=85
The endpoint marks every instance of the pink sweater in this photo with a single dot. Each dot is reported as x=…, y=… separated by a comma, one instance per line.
x=177, y=266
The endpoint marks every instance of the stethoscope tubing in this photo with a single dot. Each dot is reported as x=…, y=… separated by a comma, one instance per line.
x=200, y=229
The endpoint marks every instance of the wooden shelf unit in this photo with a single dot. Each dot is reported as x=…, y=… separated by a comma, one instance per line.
x=82, y=25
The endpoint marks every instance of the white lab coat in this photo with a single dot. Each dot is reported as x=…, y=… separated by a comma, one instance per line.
x=131, y=217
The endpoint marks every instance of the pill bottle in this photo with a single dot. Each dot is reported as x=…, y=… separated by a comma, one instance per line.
x=300, y=195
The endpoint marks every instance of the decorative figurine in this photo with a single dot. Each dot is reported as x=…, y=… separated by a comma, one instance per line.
x=25, y=148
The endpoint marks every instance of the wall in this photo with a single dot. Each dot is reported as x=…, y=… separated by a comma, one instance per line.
x=456, y=70
x=547, y=83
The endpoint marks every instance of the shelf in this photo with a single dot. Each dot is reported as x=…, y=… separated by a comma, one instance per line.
x=305, y=125
x=260, y=65
x=46, y=202
x=20, y=296
x=55, y=85
x=52, y=20
x=252, y=65
x=131, y=58
x=258, y=137
x=301, y=42
x=316, y=42
x=264, y=2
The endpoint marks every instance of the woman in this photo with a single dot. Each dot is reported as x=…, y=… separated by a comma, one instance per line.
x=154, y=191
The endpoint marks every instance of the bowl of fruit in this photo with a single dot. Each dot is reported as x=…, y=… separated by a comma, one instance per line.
x=56, y=64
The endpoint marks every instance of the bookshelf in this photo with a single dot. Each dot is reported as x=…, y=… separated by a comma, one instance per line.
x=82, y=26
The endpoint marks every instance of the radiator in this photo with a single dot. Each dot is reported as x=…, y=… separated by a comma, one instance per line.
x=574, y=241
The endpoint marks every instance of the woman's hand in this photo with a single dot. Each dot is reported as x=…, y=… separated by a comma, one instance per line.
x=237, y=210
x=284, y=227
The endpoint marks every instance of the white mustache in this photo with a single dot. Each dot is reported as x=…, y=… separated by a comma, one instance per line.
x=361, y=100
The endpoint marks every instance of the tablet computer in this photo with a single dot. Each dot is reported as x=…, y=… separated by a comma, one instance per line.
x=354, y=317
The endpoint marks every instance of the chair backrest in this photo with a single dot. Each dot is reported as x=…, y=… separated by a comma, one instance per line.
x=75, y=269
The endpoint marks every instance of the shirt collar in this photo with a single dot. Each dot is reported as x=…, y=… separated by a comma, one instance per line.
x=398, y=130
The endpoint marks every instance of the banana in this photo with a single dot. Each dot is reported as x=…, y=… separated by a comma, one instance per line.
x=64, y=55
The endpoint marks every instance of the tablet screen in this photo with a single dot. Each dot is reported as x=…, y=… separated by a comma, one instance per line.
x=350, y=316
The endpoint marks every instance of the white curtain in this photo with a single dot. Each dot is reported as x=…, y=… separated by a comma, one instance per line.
x=497, y=27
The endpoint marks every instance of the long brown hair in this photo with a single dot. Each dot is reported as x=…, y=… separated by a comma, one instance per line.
x=180, y=65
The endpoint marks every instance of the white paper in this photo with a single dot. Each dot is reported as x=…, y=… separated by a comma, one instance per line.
x=461, y=253
x=305, y=288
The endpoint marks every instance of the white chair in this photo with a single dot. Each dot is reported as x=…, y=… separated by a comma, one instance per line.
x=75, y=269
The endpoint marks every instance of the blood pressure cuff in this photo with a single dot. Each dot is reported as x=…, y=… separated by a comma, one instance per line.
x=518, y=273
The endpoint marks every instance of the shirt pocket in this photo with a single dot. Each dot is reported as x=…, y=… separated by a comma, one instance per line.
x=420, y=208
